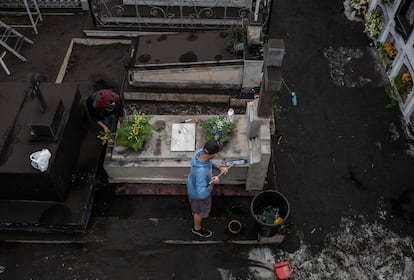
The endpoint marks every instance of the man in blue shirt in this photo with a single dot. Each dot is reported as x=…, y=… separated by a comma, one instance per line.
x=200, y=184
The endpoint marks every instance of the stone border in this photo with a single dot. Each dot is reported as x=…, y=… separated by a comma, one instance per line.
x=86, y=42
x=186, y=97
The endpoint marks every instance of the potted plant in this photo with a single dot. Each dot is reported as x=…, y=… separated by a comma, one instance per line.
x=218, y=128
x=237, y=40
x=374, y=23
x=403, y=84
x=387, y=52
x=134, y=130
x=359, y=7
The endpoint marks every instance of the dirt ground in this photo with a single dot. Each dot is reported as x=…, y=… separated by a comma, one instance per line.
x=348, y=182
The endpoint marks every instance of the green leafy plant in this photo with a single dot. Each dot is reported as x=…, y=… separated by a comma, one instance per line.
x=387, y=1
x=403, y=83
x=389, y=50
x=237, y=39
x=392, y=95
x=127, y=60
x=277, y=108
x=386, y=52
x=360, y=7
x=105, y=137
x=218, y=128
x=134, y=130
x=374, y=24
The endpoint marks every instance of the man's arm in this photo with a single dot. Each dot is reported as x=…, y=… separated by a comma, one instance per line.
x=104, y=127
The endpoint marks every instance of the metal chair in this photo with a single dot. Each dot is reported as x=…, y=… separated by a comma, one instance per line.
x=31, y=9
x=3, y=64
x=12, y=41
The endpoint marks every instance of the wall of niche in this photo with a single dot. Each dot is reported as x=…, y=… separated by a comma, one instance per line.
x=403, y=62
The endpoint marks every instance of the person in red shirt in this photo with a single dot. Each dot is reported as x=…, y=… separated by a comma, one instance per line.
x=103, y=105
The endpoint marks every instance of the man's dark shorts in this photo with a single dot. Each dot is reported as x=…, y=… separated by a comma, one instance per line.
x=201, y=207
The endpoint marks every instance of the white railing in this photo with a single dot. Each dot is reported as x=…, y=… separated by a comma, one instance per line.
x=190, y=3
x=165, y=14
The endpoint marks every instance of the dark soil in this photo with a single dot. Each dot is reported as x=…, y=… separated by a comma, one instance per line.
x=174, y=108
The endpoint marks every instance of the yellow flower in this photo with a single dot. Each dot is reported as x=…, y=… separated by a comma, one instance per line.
x=104, y=137
x=135, y=129
x=390, y=50
x=406, y=78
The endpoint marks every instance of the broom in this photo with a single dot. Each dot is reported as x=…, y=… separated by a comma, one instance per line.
x=230, y=163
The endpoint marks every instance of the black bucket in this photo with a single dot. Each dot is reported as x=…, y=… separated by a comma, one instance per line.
x=265, y=200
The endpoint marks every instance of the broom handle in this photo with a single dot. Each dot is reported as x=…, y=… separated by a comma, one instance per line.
x=221, y=173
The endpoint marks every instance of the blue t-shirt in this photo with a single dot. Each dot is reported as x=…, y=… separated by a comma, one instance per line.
x=199, y=177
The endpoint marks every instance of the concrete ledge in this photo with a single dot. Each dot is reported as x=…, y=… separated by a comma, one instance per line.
x=156, y=189
x=201, y=77
x=276, y=239
x=239, y=103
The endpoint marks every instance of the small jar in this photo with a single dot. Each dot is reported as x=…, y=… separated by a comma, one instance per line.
x=230, y=115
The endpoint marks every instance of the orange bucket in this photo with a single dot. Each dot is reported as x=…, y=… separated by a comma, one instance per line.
x=283, y=270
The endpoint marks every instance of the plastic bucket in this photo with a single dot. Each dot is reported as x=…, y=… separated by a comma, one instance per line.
x=269, y=200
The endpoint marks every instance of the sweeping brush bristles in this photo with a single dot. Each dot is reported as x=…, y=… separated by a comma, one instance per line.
x=230, y=163
x=235, y=162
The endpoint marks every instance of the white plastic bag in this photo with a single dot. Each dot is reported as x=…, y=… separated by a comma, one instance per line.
x=40, y=159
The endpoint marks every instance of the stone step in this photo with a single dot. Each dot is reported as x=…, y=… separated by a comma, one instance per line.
x=204, y=77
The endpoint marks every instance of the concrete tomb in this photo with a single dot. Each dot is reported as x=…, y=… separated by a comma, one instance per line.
x=26, y=129
x=46, y=116
x=165, y=158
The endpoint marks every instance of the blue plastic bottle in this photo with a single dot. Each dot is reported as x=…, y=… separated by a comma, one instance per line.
x=294, y=101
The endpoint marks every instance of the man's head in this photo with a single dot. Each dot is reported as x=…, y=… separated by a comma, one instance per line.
x=110, y=105
x=211, y=147
x=107, y=101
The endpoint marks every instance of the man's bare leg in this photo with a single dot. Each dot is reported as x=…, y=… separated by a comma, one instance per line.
x=197, y=221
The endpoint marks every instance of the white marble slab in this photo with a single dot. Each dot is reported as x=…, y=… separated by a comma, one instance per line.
x=183, y=137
